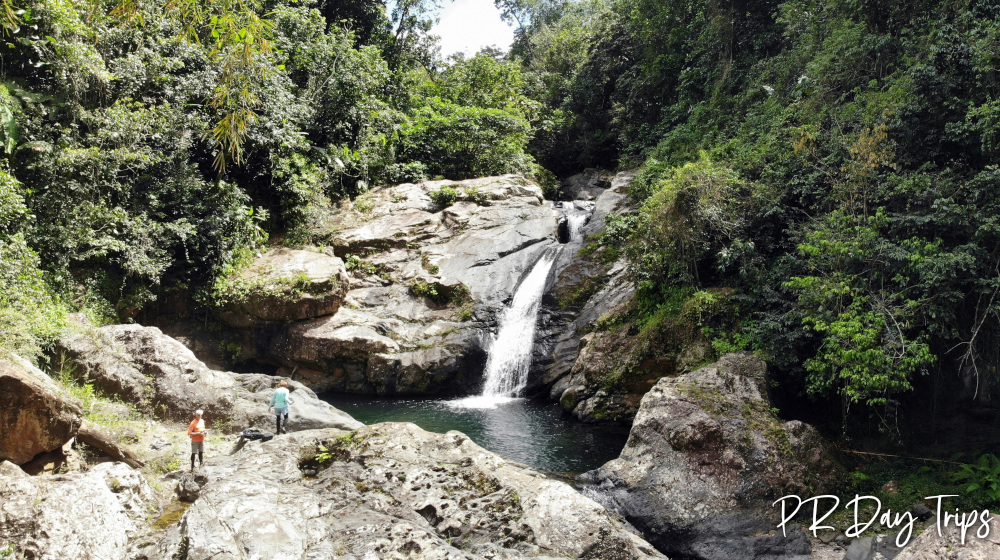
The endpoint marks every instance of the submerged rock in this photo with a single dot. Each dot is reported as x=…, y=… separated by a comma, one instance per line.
x=706, y=458
x=84, y=516
x=384, y=492
x=35, y=415
x=162, y=378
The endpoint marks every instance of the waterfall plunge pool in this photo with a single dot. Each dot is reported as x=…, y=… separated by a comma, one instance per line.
x=536, y=433
x=533, y=432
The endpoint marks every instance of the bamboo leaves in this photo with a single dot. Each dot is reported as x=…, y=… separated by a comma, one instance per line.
x=240, y=42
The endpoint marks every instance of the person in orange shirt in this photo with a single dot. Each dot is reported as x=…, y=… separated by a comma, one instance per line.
x=197, y=433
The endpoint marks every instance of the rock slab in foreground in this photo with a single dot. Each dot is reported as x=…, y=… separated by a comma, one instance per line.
x=161, y=377
x=704, y=461
x=83, y=516
x=389, y=491
x=35, y=416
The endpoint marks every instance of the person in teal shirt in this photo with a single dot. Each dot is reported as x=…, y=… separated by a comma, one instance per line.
x=280, y=402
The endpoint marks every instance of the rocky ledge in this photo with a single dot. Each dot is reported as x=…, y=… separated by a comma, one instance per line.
x=388, y=491
x=383, y=492
x=428, y=267
x=163, y=379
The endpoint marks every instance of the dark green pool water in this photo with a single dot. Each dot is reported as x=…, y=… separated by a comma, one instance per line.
x=536, y=433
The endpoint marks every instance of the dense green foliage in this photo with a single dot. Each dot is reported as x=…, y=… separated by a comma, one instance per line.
x=833, y=162
x=146, y=144
x=818, y=181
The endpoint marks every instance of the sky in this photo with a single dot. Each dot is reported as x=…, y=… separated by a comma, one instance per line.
x=469, y=25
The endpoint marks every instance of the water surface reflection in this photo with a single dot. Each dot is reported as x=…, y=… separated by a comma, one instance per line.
x=536, y=433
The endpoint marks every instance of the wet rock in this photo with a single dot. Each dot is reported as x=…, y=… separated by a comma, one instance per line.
x=35, y=415
x=162, y=378
x=285, y=285
x=85, y=515
x=575, y=363
x=704, y=461
x=389, y=491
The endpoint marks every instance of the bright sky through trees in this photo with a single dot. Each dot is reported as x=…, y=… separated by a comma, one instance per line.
x=469, y=25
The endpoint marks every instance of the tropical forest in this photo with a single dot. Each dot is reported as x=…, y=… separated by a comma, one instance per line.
x=688, y=279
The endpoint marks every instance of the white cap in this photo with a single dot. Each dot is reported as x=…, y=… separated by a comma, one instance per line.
x=199, y=412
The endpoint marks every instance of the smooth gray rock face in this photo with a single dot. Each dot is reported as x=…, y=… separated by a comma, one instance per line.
x=162, y=378
x=35, y=415
x=388, y=491
x=426, y=285
x=584, y=186
x=84, y=516
x=573, y=364
x=705, y=460
x=286, y=285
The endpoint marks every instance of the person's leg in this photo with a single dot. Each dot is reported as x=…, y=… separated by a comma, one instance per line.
x=284, y=425
x=192, y=461
x=277, y=423
x=201, y=459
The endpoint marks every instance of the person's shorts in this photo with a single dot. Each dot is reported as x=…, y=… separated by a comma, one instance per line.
x=197, y=447
x=281, y=412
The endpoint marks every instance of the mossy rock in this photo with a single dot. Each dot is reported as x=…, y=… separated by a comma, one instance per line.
x=283, y=286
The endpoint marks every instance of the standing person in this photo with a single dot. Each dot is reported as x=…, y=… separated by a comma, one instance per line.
x=280, y=402
x=197, y=433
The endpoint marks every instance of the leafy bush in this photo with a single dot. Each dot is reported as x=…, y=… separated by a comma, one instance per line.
x=459, y=142
x=981, y=480
x=30, y=317
x=444, y=196
x=693, y=212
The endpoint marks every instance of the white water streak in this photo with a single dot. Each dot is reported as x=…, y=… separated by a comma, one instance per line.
x=510, y=353
x=575, y=219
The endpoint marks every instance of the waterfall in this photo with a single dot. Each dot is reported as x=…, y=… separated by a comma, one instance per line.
x=510, y=353
x=575, y=218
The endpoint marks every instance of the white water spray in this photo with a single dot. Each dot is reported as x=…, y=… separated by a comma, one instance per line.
x=510, y=353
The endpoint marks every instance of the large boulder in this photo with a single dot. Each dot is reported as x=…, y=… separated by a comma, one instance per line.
x=162, y=378
x=705, y=460
x=88, y=515
x=427, y=282
x=283, y=286
x=389, y=491
x=36, y=416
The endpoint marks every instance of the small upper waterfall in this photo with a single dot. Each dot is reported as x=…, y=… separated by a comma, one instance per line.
x=510, y=352
x=575, y=219
x=574, y=215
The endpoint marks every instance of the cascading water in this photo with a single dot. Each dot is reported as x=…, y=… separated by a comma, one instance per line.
x=575, y=219
x=510, y=353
